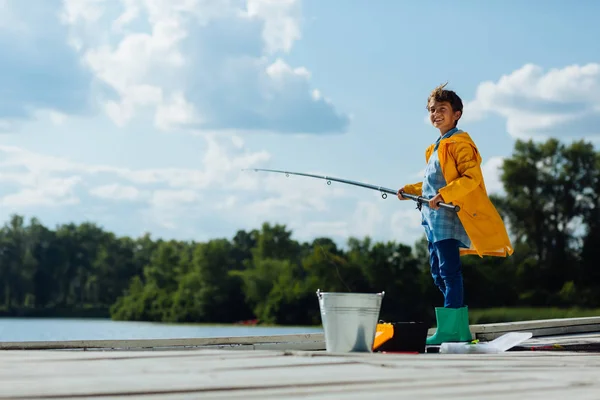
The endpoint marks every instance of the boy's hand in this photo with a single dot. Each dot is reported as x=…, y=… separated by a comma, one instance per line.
x=400, y=197
x=433, y=203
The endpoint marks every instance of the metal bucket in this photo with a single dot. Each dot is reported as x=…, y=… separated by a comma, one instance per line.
x=349, y=320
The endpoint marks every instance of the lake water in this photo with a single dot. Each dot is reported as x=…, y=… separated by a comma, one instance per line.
x=52, y=329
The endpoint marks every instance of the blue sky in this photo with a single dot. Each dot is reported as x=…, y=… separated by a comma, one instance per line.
x=139, y=115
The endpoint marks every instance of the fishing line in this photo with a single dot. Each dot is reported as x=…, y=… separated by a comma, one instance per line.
x=335, y=263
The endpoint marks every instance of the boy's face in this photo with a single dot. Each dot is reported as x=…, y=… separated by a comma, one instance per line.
x=442, y=116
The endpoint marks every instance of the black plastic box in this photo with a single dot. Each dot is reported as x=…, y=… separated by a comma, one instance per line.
x=409, y=337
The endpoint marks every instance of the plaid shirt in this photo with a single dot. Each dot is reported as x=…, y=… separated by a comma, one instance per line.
x=440, y=224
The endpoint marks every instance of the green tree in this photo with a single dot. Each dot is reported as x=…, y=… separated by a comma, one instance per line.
x=548, y=186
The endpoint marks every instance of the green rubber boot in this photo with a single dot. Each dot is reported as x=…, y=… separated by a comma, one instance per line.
x=452, y=326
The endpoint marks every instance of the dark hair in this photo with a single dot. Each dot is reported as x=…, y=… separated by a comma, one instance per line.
x=440, y=94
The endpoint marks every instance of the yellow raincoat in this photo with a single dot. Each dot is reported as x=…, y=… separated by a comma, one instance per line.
x=461, y=166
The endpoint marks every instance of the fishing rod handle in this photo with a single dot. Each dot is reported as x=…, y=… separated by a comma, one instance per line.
x=422, y=199
x=450, y=207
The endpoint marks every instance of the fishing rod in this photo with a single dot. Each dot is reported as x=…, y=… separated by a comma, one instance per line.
x=384, y=191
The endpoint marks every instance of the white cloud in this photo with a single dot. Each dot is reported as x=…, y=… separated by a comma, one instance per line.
x=216, y=199
x=382, y=220
x=190, y=64
x=170, y=198
x=175, y=111
x=76, y=10
x=116, y=191
x=278, y=194
x=57, y=177
x=491, y=175
x=39, y=70
x=331, y=229
x=406, y=224
x=33, y=184
x=561, y=102
x=200, y=64
x=367, y=219
x=181, y=201
x=281, y=22
x=8, y=20
x=47, y=191
x=56, y=117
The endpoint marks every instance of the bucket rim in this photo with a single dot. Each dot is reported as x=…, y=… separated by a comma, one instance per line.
x=362, y=294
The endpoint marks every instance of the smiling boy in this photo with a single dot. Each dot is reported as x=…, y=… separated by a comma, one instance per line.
x=453, y=175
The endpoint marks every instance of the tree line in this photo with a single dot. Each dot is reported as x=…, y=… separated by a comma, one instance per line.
x=551, y=205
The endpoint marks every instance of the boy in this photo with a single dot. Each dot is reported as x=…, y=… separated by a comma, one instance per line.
x=453, y=175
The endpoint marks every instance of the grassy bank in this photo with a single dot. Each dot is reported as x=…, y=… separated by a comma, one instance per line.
x=491, y=315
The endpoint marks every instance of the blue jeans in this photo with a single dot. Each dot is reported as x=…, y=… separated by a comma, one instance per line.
x=446, y=270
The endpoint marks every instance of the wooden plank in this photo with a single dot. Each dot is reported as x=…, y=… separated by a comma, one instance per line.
x=139, y=376
x=566, y=339
x=306, y=341
x=540, y=323
x=210, y=373
x=589, y=342
x=544, y=327
x=361, y=392
x=489, y=392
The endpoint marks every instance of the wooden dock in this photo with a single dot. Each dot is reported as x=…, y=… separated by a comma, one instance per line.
x=278, y=374
x=216, y=368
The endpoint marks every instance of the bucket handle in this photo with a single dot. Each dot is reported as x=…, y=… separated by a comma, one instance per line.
x=319, y=295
